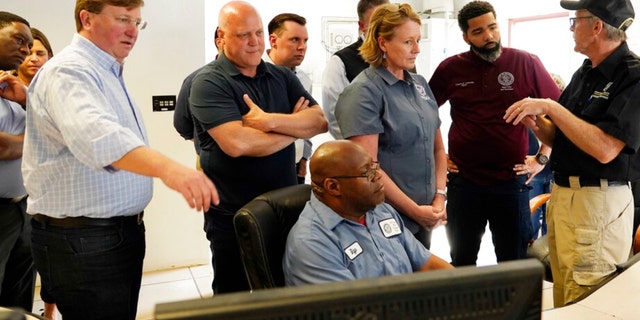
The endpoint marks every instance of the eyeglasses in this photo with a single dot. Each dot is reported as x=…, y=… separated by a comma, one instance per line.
x=371, y=173
x=126, y=21
x=572, y=20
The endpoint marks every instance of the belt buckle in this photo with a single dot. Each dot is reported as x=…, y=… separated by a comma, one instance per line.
x=140, y=217
x=18, y=199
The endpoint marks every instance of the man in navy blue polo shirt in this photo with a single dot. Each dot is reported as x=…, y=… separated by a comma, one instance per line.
x=249, y=114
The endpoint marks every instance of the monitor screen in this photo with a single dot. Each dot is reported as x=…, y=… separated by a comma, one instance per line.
x=509, y=290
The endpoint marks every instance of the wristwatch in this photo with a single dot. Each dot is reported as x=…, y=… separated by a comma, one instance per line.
x=542, y=159
x=442, y=192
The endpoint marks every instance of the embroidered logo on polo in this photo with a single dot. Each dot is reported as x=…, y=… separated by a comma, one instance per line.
x=422, y=91
x=505, y=79
x=389, y=227
x=353, y=250
x=601, y=94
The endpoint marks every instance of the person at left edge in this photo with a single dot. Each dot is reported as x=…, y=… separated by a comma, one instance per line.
x=17, y=273
x=87, y=168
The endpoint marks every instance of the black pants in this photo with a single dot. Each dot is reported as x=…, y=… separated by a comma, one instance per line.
x=17, y=273
x=504, y=206
x=91, y=272
x=228, y=270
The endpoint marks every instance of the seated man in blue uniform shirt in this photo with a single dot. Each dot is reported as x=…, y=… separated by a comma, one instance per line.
x=346, y=232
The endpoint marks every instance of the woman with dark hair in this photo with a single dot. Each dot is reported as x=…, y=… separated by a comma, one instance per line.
x=41, y=52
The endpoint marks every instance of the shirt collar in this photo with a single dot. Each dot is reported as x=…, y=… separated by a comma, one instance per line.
x=329, y=218
x=233, y=71
x=389, y=78
x=266, y=58
x=99, y=56
x=608, y=66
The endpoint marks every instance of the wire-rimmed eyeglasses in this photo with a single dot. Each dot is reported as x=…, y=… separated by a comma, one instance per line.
x=572, y=20
x=126, y=21
x=370, y=174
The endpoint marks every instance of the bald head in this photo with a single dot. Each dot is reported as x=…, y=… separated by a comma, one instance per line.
x=336, y=158
x=233, y=11
x=345, y=178
x=242, y=36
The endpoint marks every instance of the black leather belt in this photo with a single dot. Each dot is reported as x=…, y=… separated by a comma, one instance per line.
x=12, y=200
x=77, y=222
x=563, y=181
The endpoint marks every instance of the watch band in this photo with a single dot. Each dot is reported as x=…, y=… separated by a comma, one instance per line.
x=442, y=192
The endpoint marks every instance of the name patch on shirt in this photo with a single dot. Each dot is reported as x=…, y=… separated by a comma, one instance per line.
x=390, y=227
x=601, y=94
x=353, y=250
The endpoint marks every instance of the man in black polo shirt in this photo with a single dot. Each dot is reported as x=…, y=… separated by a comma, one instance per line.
x=249, y=113
x=594, y=133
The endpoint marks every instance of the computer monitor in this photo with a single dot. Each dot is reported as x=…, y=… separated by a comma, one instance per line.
x=509, y=290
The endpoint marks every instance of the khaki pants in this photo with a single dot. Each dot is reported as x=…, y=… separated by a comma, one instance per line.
x=589, y=230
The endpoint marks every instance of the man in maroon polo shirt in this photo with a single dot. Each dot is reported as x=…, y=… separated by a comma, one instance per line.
x=488, y=167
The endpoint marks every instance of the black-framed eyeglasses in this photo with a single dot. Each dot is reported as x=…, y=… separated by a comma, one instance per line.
x=572, y=20
x=370, y=174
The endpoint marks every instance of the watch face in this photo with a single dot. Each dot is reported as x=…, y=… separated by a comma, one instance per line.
x=542, y=159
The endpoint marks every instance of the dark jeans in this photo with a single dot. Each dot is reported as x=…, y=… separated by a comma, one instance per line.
x=91, y=272
x=540, y=184
x=469, y=207
x=228, y=270
x=17, y=273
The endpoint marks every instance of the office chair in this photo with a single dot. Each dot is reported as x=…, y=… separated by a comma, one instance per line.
x=262, y=226
x=539, y=248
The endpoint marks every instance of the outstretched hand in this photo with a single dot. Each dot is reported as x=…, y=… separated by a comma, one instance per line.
x=526, y=111
x=195, y=186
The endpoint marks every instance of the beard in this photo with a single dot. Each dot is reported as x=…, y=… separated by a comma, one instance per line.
x=488, y=54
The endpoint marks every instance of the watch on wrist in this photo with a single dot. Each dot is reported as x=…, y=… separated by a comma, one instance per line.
x=542, y=159
x=442, y=192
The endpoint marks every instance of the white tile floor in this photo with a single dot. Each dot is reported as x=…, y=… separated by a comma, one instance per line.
x=195, y=282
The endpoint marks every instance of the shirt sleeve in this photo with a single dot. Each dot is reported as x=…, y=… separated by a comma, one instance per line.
x=544, y=86
x=182, y=120
x=12, y=117
x=438, y=84
x=334, y=80
x=359, y=108
x=212, y=101
x=310, y=260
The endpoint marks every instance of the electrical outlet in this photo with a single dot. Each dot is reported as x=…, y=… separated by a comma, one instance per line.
x=164, y=103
